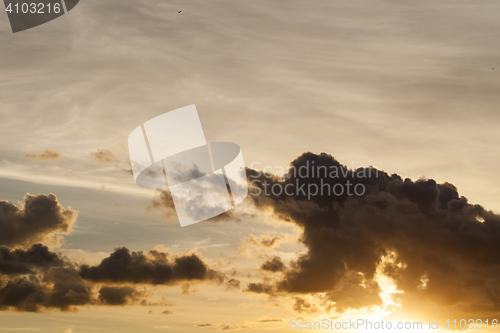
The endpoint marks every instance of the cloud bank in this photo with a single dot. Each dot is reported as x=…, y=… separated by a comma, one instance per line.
x=33, y=278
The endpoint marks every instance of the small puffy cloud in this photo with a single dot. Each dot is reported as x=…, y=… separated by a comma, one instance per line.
x=104, y=156
x=37, y=220
x=302, y=305
x=245, y=326
x=47, y=155
x=51, y=288
x=264, y=242
x=36, y=279
x=154, y=268
x=207, y=325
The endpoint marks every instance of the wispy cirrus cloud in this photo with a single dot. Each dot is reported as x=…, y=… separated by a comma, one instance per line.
x=47, y=155
x=40, y=219
x=420, y=224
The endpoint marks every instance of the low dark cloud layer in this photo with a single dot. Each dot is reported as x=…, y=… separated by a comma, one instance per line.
x=273, y=265
x=444, y=250
x=104, y=156
x=41, y=217
x=18, y=261
x=32, y=278
x=302, y=305
x=117, y=295
x=37, y=279
x=164, y=203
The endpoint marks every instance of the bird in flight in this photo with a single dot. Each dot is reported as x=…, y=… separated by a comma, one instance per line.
x=179, y=11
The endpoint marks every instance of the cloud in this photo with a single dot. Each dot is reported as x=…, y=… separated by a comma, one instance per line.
x=47, y=155
x=39, y=218
x=164, y=202
x=154, y=268
x=54, y=288
x=435, y=234
x=106, y=156
x=274, y=265
x=302, y=305
x=117, y=295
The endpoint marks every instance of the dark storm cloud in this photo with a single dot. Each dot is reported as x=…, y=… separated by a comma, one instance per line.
x=51, y=288
x=301, y=305
x=108, y=157
x=40, y=217
x=36, y=279
x=444, y=249
x=47, y=155
x=155, y=268
x=264, y=241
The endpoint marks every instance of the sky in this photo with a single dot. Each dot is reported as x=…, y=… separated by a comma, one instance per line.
x=410, y=88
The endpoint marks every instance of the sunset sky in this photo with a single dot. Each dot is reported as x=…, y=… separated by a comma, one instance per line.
x=410, y=88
